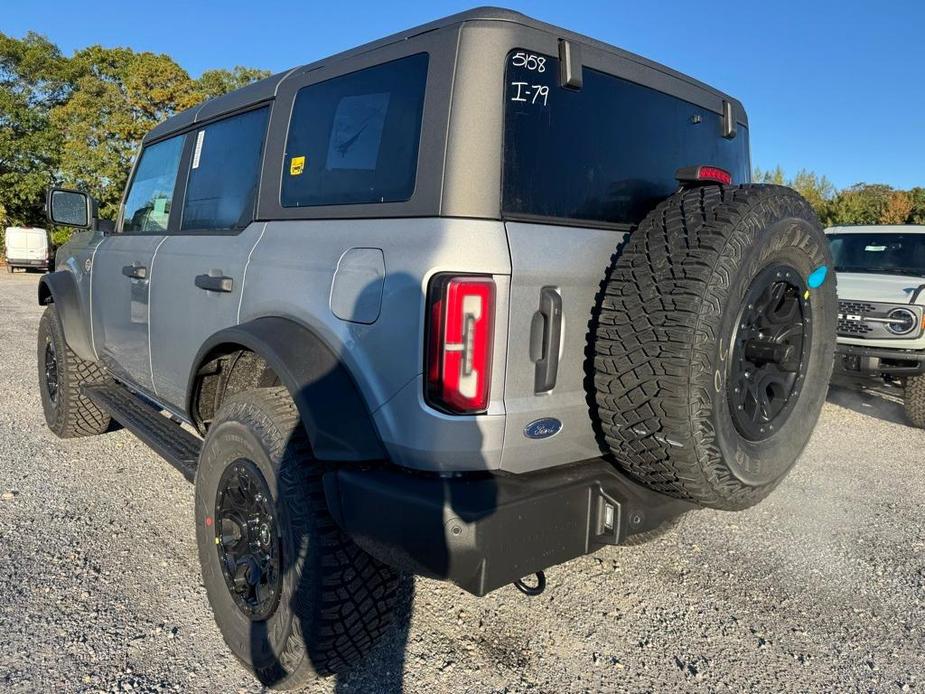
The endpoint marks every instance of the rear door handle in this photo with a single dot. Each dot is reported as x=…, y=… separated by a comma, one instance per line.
x=214, y=283
x=135, y=272
x=545, y=338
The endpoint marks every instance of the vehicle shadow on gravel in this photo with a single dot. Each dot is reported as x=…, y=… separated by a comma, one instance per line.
x=881, y=402
x=408, y=530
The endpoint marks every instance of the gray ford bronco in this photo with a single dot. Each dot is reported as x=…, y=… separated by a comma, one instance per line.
x=466, y=302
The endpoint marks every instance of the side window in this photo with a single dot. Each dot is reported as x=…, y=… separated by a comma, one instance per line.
x=147, y=206
x=222, y=187
x=354, y=139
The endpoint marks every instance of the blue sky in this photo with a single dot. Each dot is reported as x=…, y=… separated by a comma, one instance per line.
x=836, y=87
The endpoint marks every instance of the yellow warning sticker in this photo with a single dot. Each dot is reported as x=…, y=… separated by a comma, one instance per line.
x=805, y=295
x=296, y=166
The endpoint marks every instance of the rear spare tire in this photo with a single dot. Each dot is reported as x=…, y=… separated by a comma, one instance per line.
x=714, y=342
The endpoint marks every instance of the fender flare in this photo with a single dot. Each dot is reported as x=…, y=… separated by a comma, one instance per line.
x=60, y=288
x=333, y=411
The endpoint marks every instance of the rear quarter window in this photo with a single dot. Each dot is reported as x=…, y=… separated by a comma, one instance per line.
x=354, y=139
x=605, y=153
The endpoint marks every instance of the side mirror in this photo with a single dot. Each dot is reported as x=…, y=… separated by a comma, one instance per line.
x=70, y=208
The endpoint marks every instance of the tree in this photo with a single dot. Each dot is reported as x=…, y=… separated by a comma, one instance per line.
x=775, y=176
x=118, y=96
x=78, y=121
x=862, y=203
x=917, y=215
x=34, y=78
x=898, y=208
x=214, y=83
x=818, y=190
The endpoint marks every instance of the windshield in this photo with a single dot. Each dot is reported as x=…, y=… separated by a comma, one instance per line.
x=901, y=254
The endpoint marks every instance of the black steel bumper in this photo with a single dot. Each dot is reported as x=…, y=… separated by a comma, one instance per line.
x=858, y=359
x=484, y=531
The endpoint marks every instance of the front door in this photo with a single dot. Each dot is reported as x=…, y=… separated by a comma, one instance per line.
x=123, y=266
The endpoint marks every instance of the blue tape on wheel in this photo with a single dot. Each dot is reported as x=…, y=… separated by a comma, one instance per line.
x=817, y=277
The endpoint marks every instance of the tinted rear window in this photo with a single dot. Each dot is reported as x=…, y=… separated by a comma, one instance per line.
x=605, y=153
x=354, y=139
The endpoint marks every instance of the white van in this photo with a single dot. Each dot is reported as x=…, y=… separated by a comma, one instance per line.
x=26, y=247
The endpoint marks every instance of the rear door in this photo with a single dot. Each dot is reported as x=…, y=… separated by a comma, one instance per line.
x=122, y=265
x=582, y=167
x=199, y=271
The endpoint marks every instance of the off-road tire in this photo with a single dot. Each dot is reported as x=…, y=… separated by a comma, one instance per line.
x=336, y=600
x=666, y=315
x=914, y=400
x=70, y=414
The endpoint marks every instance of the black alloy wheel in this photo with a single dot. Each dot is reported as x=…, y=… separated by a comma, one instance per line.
x=51, y=371
x=768, y=352
x=248, y=541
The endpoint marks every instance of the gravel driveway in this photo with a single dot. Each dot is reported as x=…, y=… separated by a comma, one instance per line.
x=821, y=587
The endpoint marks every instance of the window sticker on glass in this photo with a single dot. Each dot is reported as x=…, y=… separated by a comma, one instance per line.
x=875, y=249
x=200, y=136
x=296, y=166
x=357, y=132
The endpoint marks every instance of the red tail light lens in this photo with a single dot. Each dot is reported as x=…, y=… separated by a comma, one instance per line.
x=459, y=343
x=703, y=174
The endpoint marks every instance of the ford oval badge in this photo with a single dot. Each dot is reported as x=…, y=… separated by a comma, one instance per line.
x=543, y=428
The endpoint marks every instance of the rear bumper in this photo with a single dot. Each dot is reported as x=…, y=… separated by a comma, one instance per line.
x=28, y=262
x=855, y=359
x=483, y=531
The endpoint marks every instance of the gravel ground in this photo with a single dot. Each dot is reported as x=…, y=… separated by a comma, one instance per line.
x=821, y=587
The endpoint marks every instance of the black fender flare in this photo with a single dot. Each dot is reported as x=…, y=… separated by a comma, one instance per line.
x=60, y=288
x=333, y=411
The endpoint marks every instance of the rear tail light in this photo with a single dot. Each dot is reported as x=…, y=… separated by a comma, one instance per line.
x=459, y=343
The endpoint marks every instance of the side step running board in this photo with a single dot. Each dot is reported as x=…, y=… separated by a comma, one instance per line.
x=168, y=439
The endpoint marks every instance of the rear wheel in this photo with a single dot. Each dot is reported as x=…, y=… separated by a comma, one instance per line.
x=914, y=400
x=61, y=374
x=714, y=343
x=293, y=596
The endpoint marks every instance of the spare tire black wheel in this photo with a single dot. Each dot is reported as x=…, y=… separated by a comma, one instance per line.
x=714, y=342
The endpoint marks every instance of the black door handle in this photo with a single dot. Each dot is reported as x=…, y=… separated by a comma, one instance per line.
x=545, y=337
x=135, y=272
x=214, y=283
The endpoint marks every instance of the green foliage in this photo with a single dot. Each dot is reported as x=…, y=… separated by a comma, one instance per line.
x=77, y=121
x=214, y=83
x=862, y=203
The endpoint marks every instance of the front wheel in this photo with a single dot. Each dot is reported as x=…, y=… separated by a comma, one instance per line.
x=294, y=597
x=61, y=374
x=914, y=400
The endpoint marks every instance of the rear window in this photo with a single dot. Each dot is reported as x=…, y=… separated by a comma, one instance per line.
x=354, y=139
x=605, y=153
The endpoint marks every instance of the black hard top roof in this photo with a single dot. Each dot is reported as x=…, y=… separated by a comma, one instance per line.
x=267, y=88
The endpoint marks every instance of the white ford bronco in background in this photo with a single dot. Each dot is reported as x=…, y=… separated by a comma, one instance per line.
x=467, y=302
x=881, y=307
